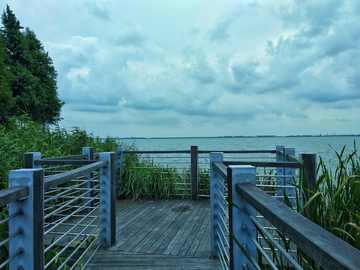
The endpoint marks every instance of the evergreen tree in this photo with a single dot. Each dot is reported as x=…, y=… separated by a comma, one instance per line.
x=7, y=101
x=34, y=76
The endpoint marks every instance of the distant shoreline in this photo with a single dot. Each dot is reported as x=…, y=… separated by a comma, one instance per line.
x=227, y=137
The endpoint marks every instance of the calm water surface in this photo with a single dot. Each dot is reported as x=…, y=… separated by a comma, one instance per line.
x=322, y=146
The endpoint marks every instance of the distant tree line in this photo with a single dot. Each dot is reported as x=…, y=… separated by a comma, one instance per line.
x=27, y=75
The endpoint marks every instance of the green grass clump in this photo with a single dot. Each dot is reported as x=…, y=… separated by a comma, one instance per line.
x=21, y=135
x=336, y=198
x=334, y=205
x=142, y=178
x=146, y=181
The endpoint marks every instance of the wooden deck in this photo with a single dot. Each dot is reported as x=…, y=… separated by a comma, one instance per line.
x=161, y=234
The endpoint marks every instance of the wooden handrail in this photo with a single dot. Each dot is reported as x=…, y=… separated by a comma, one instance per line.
x=59, y=179
x=158, y=152
x=63, y=162
x=12, y=194
x=64, y=158
x=292, y=158
x=264, y=164
x=322, y=246
x=203, y=152
x=221, y=168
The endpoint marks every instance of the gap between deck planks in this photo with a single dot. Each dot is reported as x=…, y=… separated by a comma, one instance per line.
x=159, y=234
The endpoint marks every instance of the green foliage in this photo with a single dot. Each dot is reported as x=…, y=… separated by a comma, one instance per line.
x=4, y=233
x=204, y=181
x=144, y=178
x=58, y=262
x=141, y=178
x=336, y=198
x=7, y=101
x=22, y=135
x=334, y=205
x=33, y=80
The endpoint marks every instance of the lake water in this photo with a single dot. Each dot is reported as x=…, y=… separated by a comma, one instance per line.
x=322, y=146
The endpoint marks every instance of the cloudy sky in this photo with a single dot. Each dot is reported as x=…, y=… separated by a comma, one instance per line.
x=202, y=67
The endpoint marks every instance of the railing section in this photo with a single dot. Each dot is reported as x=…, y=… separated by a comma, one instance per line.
x=156, y=173
x=78, y=194
x=20, y=195
x=266, y=179
x=281, y=241
x=181, y=173
x=219, y=211
x=72, y=213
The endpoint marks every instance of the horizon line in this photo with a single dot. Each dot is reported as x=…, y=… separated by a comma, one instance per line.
x=240, y=136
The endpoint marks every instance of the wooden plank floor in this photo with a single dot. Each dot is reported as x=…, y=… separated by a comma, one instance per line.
x=160, y=234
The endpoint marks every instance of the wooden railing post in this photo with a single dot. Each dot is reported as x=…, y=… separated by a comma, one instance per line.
x=289, y=181
x=329, y=251
x=107, y=200
x=280, y=157
x=29, y=158
x=89, y=151
x=119, y=166
x=216, y=196
x=30, y=222
x=309, y=177
x=194, y=173
x=240, y=225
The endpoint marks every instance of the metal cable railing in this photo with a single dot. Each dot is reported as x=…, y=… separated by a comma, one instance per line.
x=172, y=170
x=275, y=242
x=72, y=204
x=269, y=182
x=267, y=179
x=265, y=232
x=76, y=218
x=312, y=242
x=220, y=220
x=272, y=245
x=8, y=238
x=71, y=222
x=11, y=257
x=7, y=197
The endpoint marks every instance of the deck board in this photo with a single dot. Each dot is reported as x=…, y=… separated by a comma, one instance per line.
x=166, y=232
x=185, y=231
x=159, y=234
x=111, y=260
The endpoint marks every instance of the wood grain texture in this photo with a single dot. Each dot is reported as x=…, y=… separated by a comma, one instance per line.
x=322, y=246
x=110, y=259
x=159, y=234
x=12, y=194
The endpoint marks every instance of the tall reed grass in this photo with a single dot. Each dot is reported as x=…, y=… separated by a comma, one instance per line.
x=149, y=181
x=22, y=135
x=334, y=205
x=336, y=198
x=142, y=177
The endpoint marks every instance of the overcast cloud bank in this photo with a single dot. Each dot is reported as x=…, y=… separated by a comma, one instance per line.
x=203, y=68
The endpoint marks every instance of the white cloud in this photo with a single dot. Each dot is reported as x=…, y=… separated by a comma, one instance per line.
x=97, y=8
x=198, y=68
x=79, y=75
